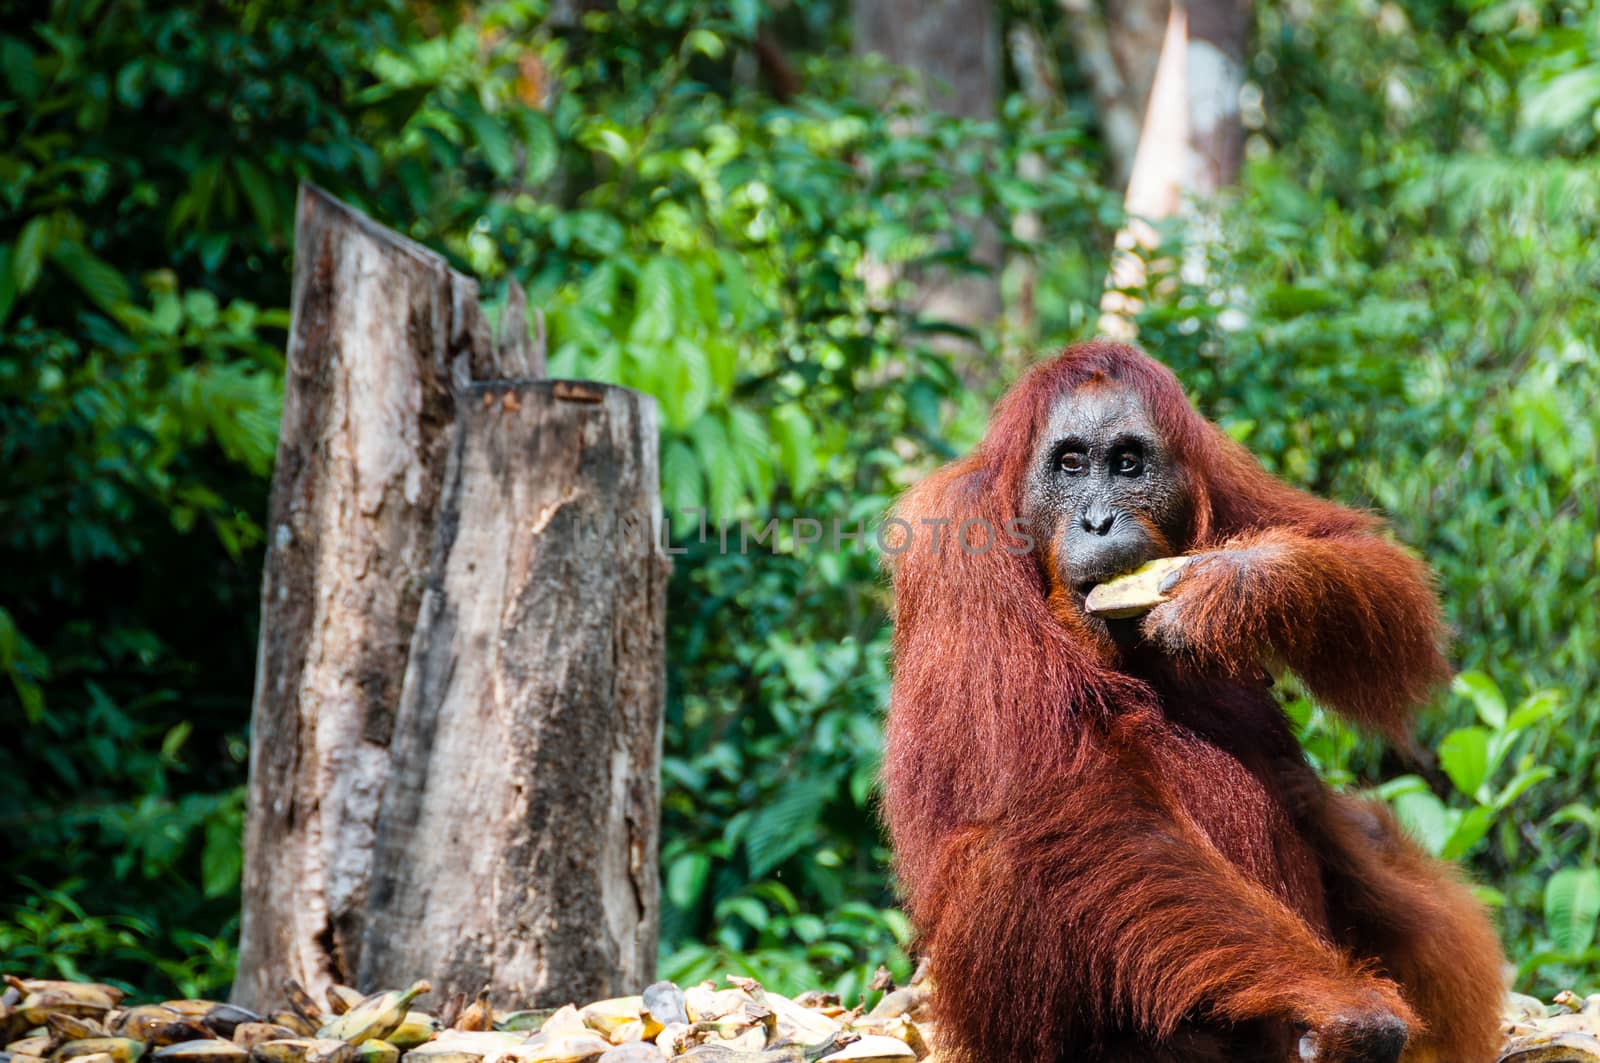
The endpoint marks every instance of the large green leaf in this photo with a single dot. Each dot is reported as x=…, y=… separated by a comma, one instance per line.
x=95, y=277
x=1464, y=755
x=1484, y=695
x=783, y=825
x=1426, y=818
x=1571, y=907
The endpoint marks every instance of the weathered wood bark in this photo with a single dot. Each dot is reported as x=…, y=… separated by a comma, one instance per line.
x=517, y=841
x=366, y=417
x=384, y=338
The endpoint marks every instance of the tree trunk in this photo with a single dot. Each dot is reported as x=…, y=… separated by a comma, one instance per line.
x=1119, y=51
x=385, y=337
x=1190, y=147
x=517, y=842
x=954, y=45
x=361, y=449
x=1215, y=61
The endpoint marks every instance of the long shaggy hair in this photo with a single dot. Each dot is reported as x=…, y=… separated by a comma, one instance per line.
x=1052, y=810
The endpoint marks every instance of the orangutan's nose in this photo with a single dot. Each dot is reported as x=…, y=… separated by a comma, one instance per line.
x=1098, y=518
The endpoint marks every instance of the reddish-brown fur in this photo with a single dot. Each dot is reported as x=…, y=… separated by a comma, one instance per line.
x=1118, y=856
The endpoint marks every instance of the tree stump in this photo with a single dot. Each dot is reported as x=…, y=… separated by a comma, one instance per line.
x=385, y=341
x=517, y=841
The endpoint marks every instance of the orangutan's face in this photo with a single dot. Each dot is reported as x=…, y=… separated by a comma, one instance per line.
x=1104, y=494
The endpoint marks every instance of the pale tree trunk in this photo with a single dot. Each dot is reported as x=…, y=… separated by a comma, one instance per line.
x=384, y=339
x=1191, y=144
x=517, y=842
x=954, y=48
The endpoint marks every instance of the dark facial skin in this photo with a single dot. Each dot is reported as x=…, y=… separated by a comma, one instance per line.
x=1104, y=494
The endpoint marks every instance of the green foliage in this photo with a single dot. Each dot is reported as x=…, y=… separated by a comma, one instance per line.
x=1395, y=316
x=148, y=155
x=51, y=934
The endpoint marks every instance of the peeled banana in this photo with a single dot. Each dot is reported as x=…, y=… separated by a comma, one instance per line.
x=1135, y=593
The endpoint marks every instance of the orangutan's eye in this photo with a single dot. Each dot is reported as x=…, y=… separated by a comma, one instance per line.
x=1072, y=462
x=1127, y=462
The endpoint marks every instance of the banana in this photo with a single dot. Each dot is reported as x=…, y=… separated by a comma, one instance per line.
x=1137, y=592
x=1552, y=1048
x=223, y=1019
x=564, y=1020
x=341, y=998
x=873, y=1049
x=478, y=1015
x=467, y=1046
x=636, y=1052
x=39, y=1045
x=375, y=1051
x=665, y=1003
x=375, y=1017
x=451, y=1055
x=633, y=1030
x=82, y=1002
x=716, y=1053
x=899, y=1027
x=577, y=1048
x=525, y=1020
x=606, y=1016
x=71, y=1028
x=121, y=1049
x=282, y=1050
x=206, y=1050
x=295, y=1021
x=301, y=1002
x=86, y=990
x=486, y=1045
x=416, y=1028
x=250, y=1034
x=137, y=1021
x=903, y=1001
x=155, y=1025
x=304, y=1050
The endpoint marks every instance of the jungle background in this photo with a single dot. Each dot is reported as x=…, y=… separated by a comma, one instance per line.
x=712, y=204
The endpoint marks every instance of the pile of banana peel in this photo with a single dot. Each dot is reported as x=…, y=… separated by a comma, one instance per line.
x=43, y=1021
x=1565, y=1031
